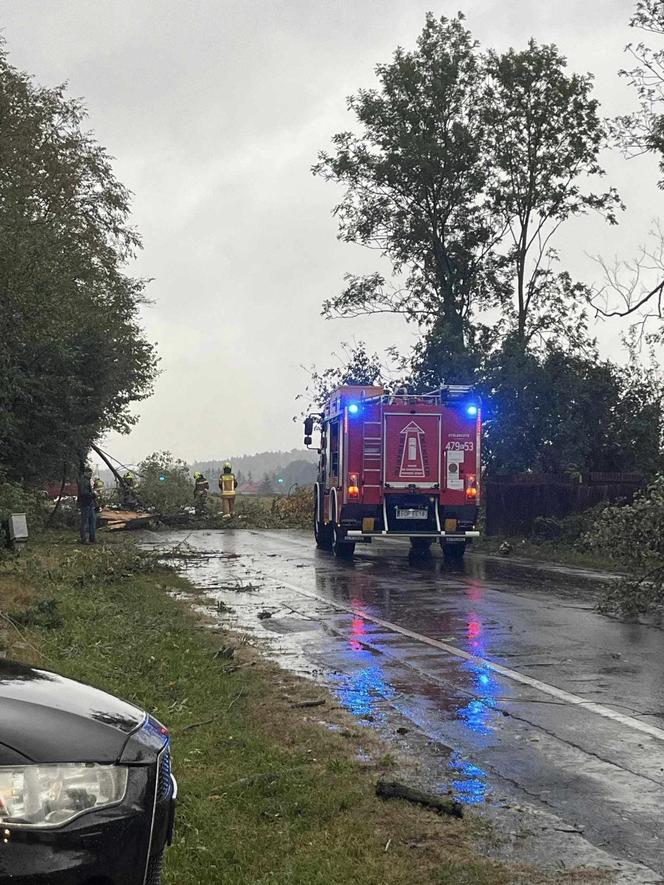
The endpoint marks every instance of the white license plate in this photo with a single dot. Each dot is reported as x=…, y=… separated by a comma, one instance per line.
x=411, y=513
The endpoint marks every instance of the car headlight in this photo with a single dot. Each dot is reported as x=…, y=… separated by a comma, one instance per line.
x=52, y=795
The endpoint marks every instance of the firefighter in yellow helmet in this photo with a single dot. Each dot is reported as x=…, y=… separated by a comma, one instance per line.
x=128, y=491
x=227, y=487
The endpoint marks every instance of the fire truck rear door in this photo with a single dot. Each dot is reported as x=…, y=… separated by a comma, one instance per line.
x=411, y=455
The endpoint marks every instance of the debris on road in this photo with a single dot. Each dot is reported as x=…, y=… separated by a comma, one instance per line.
x=391, y=789
x=317, y=702
x=240, y=587
x=124, y=520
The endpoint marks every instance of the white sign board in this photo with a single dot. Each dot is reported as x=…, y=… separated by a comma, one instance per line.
x=453, y=473
x=18, y=527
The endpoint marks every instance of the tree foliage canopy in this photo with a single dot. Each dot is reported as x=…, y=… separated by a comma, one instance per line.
x=73, y=357
x=545, y=136
x=355, y=365
x=633, y=536
x=166, y=486
x=643, y=130
x=415, y=180
x=465, y=165
x=569, y=412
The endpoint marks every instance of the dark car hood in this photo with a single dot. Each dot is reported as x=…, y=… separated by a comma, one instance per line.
x=47, y=718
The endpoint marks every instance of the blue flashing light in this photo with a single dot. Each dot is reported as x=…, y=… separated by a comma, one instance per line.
x=162, y=478
x=353, y=409
x=471, y=410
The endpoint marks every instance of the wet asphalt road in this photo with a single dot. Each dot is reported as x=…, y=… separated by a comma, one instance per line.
x=540, y=700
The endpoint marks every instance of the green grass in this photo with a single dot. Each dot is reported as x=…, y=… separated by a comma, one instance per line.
x=267, y=794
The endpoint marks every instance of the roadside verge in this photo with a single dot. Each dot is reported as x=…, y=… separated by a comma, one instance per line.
x=269, y=794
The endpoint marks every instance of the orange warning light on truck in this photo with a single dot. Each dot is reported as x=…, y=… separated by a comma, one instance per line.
x=404, y=465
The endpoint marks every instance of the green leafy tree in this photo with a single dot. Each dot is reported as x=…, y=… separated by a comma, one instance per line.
x=545, y=137
x=354, y=365
x=73, y=357
x=266, y=485
x=465, y=166
x=643, y=130
x=633, y=536
x=414, y=181
x=560, y=411
x=165, y=484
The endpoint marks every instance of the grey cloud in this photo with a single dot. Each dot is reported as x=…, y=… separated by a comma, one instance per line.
x=215, y=112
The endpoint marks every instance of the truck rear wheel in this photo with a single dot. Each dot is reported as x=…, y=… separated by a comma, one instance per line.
x=342, y=547
x=323, y=533
x=453, y=553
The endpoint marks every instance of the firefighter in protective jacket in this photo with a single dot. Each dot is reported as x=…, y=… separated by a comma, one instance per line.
x=128, y=491
x=227, y=487
x=201, y=489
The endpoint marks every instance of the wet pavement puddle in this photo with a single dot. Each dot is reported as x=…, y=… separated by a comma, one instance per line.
x=503, y=683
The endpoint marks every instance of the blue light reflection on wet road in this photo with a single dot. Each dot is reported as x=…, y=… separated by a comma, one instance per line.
x=470, y=786
x=480, y=712
x=363, y=691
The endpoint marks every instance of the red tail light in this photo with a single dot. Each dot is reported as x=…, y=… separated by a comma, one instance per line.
x=471, y=487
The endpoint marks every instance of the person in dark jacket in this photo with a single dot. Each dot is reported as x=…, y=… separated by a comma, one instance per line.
x=86, y=504
x=201, y=489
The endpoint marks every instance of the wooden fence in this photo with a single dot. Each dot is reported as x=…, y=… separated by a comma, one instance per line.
x=514, y=502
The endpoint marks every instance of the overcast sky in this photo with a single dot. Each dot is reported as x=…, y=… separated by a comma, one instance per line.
x=214, y=111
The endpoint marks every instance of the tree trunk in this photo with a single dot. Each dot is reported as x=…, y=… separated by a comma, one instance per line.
x=59, y=501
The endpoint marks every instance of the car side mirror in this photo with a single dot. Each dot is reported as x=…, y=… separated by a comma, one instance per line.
x=307, y=440
x=308, y=426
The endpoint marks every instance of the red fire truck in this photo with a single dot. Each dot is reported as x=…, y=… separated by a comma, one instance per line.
x=397, y=465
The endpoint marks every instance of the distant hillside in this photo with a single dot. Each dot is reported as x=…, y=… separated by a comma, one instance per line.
x=295, y=467
x=254, y=467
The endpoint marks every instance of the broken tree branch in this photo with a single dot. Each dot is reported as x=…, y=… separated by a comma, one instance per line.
x=390, y=789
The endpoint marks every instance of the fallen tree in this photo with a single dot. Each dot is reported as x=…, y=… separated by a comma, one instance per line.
x=633, y=535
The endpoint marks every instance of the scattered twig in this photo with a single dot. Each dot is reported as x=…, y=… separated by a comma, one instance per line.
x=317, y=702
x=23, y=637
x=198, y=724
x=236, y=698
x=193, y=725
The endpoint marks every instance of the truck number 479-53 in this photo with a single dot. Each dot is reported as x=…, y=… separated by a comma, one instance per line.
x=404, y=465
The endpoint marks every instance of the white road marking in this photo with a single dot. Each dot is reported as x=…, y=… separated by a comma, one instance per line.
x=543, y=687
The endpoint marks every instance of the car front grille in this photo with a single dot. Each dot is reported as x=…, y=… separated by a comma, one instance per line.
x=154, y=870
x=164, y=781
